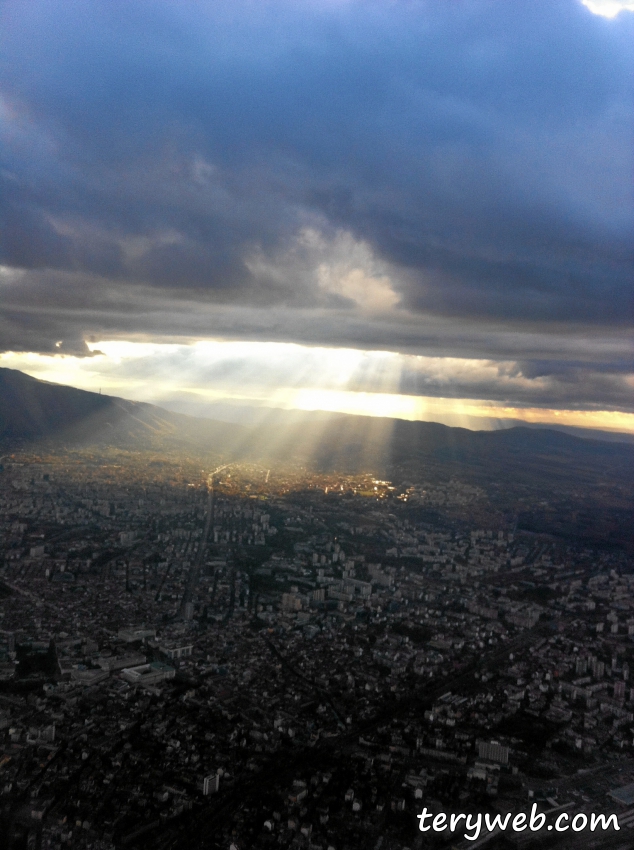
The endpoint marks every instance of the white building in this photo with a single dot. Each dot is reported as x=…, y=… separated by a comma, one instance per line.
x=148, y=674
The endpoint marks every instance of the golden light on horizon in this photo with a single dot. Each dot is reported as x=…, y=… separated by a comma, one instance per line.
x=425, y=408
x=265, y=376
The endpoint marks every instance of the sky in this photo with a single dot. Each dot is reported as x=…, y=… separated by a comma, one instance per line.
x=412, y=208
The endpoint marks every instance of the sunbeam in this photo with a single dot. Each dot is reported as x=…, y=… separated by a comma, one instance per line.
x=251, y=382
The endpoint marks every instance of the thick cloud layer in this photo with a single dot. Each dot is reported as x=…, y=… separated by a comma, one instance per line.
x=453, y=179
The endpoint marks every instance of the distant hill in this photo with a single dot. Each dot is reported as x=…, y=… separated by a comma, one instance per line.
x=428, y=449
x=246, y=414
x=33, y=410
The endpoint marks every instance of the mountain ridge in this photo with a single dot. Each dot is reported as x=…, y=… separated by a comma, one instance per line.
x=32, y=410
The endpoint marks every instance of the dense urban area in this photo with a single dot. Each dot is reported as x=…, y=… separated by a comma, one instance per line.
x=241, y=657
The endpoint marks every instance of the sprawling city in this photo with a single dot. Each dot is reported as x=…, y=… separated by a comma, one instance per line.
x=261, y=657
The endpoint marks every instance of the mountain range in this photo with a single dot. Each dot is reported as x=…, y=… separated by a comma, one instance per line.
x=34, y=411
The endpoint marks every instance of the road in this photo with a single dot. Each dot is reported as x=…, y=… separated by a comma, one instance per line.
x=196, y=567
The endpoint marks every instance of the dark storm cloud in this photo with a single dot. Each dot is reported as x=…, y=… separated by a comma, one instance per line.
x=481, y=151
x=569, y=386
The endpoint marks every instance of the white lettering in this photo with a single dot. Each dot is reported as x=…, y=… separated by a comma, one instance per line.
x=575, y=822
x=475, y=825
x=454, y=820
x=563, y=816
x=605, y=822
x=534, y=821
x=422, y=817
x=439, y=822
x=492, y=823
x=534, y=825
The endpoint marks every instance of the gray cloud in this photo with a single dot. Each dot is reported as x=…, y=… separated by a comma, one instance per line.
x=164, y=162
x=579, y=366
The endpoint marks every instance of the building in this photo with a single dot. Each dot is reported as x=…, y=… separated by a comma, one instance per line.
x=175, y=651
x=619, y=689
x=358, y=588
x=493, y=751
x=120, y=662
x=291, y=602
x=623, y=795
x=131, y=635
x=148, y=674
x=211, y=784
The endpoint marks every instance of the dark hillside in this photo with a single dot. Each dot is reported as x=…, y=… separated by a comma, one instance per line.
x=33, y=410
